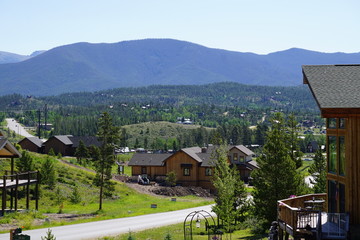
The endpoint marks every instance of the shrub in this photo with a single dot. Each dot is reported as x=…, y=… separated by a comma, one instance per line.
x=49, y=236
x=171, y=179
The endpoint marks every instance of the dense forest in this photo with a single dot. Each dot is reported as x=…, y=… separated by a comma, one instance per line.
x=227, y=110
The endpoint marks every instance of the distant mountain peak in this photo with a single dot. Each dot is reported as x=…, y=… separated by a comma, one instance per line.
x=86, y=66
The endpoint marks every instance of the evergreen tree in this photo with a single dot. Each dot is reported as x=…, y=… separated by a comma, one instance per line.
x=318, y=172
x=48, y=173
x=260, y=134
x=49, y=236
x=136, y=145
x=230, y=189
x=75, y=195
x=25, y=163
x=246, y=135
x=52, y=152
x=294, y=141
x=146, y=143
x=81, y=152
x=103, y=157
x=276, y=177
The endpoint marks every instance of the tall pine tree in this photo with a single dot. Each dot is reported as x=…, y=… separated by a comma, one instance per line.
x=103, y=157
x=231, y=194
x=276, y=177
x=318, y=172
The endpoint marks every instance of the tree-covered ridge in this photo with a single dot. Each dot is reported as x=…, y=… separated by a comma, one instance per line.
x=231, y=108
x=221, y=94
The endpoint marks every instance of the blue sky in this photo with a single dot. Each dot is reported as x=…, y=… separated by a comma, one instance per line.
x=261, y=26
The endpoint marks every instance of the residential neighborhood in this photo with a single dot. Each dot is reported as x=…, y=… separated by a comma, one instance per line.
x=192, y=166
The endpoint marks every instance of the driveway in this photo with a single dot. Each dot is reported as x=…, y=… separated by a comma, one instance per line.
x=94, y=230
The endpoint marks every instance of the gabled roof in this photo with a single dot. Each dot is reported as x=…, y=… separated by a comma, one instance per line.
x=243, y=149
x=7, y=150
x=148, y=159
x=192, y=152
x=34, y=140
x=335, y=87
x=64, y=139
x=87, y=140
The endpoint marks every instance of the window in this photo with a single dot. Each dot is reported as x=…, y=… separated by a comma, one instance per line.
x=332, y=195
x=208, y=171
x=331, y=123
x=235, y=156
x=332, y=154
x=143, y=170
x=342, y=123
x=341, y=198
x=186, y=171
x=342, y=155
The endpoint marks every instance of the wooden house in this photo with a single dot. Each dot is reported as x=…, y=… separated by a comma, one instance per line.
x=32, y=144
x=193, y=166
x=149, y=165
x=241, y=156
x=336, y=91
x=60, y=144
x=67, y=144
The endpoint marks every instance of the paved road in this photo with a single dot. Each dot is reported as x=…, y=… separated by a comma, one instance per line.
x=94, y=230
x=13, y=125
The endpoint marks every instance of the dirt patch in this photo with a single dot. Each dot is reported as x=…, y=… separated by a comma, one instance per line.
x=177, y=191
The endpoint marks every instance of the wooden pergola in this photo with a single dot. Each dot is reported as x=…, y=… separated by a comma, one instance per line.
x=11, y=182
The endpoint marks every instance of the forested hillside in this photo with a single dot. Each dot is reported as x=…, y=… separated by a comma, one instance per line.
x=227, y=108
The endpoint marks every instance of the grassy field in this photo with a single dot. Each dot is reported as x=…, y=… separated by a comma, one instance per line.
x=176, y=231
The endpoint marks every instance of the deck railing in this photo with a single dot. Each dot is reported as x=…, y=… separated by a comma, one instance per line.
x=294, y=214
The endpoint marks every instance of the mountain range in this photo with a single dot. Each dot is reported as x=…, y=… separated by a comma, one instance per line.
x=91, y=67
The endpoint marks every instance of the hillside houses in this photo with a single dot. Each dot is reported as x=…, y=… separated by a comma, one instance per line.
x=64, y=144
x=193, y=166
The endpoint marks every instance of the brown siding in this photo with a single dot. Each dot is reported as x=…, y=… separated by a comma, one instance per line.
x=28, y=145
x=352, y=187
x=58, y=147
x=174, y=162
x=151, y=171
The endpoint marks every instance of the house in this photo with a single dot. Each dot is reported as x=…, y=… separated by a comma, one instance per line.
x=312, y=147
x=241, y=156
x=151, y=165
x=66, y=144
x=193, y=166
x=336, y=91
x=32, y=144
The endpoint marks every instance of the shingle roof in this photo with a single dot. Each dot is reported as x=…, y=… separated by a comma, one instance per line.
x=243, y=149
x=64, y=139
x=192, y=152
x=34, y=140
x=334, y=86
x=148, y=159
x=87, y=140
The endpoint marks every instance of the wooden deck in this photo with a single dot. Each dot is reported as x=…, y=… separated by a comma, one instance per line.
x=10, y=184
x=304, y=223
x=13, y=183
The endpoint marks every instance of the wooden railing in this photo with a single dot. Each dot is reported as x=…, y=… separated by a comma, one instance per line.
x=294, y=214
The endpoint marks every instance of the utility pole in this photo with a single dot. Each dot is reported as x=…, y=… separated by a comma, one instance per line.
x=45, y=115
x=39, y=123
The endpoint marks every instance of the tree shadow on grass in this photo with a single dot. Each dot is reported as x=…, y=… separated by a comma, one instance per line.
x=254, y=237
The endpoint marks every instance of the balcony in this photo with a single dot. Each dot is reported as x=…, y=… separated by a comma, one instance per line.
x=305, y=217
